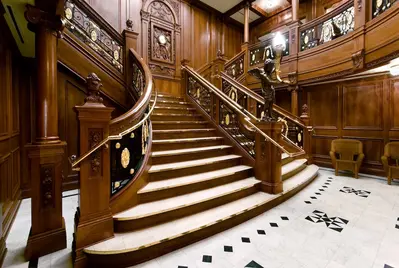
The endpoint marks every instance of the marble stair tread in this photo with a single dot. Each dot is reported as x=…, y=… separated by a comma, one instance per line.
x=173, y=115
x=304, y=175
x=131, y=241
x=189, y=150
x=128, y=242
x=183, y=130
x=172, y=102
x=186, y=140
x=192, y=163
x=191, y=179
x=287, y=168
x=284, y=156
x=179, y=201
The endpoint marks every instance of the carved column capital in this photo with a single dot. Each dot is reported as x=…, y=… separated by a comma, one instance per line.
x=94, y=84
x=35, y=16
x=358, y=60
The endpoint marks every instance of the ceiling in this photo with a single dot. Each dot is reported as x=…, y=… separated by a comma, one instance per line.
x=259, y=9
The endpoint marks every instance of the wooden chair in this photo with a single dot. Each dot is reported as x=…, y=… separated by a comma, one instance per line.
x=390, y=160
x=347, y=154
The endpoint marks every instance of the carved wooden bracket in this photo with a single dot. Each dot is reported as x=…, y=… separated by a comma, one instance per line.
x=305, y=111
x=358, y=59
x=36, y=16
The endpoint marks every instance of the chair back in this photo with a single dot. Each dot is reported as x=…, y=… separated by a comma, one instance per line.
x=391, y=150
x=347, y=149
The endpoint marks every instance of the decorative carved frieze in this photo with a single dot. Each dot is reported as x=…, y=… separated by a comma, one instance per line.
x=47, y=176
x=358, y=59
x=163, y=70
x=162, y=45
x=161, y=10
x=95, y=136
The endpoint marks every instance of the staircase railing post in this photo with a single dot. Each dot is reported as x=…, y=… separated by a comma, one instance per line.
x=268, y=158
x=93, y=218
x=307, y=133
x=131, y=41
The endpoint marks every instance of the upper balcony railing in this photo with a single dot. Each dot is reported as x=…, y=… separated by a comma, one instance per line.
x=379, y=6
x=263, y=50
x=328, y=27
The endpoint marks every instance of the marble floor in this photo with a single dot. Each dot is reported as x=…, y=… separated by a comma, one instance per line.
x=335, y=222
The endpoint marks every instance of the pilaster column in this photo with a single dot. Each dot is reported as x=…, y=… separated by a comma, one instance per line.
x=307, y=135
x=3, y=249
x=246, y=23
x=268, y=158
x=46, y=154
x=295, y=10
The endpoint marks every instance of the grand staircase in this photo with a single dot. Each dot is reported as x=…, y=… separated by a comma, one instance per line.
x=197, y=187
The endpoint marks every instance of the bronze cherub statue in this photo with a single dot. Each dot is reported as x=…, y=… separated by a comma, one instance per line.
x=269, y=76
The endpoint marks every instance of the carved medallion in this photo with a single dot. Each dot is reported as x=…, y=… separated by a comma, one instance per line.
x=68, y=13
x=299, y=137
x=162, y=39
x=162, y=45
x=117, y=145
x=116, y=55
x=233, y=94
x=93, y=35
x=125, y=158
x=227, y=119
x=131, y=171
x=306, y=40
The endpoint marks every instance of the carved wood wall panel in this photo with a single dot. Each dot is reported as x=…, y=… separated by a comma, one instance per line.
x=325, y=101
x=362, y=106
x=364, y=109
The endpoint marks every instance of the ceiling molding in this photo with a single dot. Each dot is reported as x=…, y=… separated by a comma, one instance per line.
x=257, y=10
x=202, y=5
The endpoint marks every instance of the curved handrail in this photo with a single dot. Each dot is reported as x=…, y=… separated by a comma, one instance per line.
x=120, y=125
x=259, y=99
x=238, y=108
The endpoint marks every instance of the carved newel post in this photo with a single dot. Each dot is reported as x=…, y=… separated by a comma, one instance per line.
x=3, y=249
x=93, y=218
x=307, y=135
x=46, y=153
x=268, y=157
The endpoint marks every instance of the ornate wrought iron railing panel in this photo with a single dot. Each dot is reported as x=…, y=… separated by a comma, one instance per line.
x=200, y=94
x=328, y=29
x=235, y=68
x=127, y=156
x=265, y=50
x=229, y=121
x=89, y=32
x=234, y=94
x=379, y=6
x=138, y=82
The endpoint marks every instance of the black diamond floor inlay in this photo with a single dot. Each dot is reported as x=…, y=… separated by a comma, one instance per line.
x=397, y=224
x=318, y=193
x=245, y=240
x=308, y=202
x=261, y=232
x=228, y=249
x=324, y=186
x=273, y=224
x=350, y=190
x=313, y=197
x=388, y=266
x=321, y=190
x=327, y=183
x=253, y=264
x=207, y=258
x=284, y=218
x=182, y=266
x=334, y=223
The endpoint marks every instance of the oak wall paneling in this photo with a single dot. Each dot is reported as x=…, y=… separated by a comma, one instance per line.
x=363, y=109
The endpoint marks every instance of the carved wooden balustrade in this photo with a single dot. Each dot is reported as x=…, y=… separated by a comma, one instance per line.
x=259, y=142
x=114, y=156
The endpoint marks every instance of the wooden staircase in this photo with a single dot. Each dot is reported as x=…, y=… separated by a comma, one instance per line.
x=197, y=187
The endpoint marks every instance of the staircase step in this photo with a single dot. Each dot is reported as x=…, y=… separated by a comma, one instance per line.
x=156, y=116
x=293, y=168
x=161, y=125
x=171, y=103
x=175, y=144
x=161, y=172
x=174, y=110
x=162, y=96
x=126, y=249
x=187, y=184
x=285, y=158
x=163, y=157
x=183, y=133
x=152, y=213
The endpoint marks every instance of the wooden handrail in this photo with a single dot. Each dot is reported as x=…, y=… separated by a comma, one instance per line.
x=230, y=61
x=123, y=124
x=326, y=16
x=237, y=108
x=259, y=99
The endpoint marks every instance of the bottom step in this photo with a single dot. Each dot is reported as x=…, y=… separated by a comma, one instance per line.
x=138, y=246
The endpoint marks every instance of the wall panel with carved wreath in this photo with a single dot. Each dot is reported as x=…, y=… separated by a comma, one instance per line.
x=160, y=22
